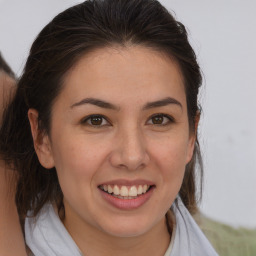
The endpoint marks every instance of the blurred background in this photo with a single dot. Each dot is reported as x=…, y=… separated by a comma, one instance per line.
x=223, y=34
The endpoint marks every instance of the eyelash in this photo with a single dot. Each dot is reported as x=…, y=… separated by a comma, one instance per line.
x=86, y=120
x=169, y=121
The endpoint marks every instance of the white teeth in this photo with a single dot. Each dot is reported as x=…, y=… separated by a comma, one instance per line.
x=133, y=191
x=140, y=190
x=124, y=191
x=128, y=192
x=116, y=190
x=110, y=190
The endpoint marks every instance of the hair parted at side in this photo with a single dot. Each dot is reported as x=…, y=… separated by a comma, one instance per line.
x=69, y=36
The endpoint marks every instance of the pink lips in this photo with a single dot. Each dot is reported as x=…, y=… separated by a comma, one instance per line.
x=128, y=204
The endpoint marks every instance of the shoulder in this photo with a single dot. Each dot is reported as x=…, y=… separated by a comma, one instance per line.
x=45, y=234
x=189, y=239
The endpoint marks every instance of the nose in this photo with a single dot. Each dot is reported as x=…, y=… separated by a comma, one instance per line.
x=130, y=151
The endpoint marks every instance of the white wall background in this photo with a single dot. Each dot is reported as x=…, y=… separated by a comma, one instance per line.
x=223, y=34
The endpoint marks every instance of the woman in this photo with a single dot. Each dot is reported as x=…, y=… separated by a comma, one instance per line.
x=109, y=95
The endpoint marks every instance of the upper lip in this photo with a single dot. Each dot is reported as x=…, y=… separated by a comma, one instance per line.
x=125, y=182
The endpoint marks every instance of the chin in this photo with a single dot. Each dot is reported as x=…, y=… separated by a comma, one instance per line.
x=125, y=233
x=126, y=228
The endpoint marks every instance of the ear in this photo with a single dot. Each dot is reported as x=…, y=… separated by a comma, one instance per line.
x=192, y=138
x=41, y=140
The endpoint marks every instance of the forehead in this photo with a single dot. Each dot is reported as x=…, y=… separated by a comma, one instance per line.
x=124, y=72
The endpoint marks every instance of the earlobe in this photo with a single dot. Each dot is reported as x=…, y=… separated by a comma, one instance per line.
x=41, y=140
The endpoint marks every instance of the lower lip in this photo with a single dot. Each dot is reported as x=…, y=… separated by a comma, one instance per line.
x=127, y=204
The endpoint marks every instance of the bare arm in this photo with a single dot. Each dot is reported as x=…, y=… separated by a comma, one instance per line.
x=11, y=237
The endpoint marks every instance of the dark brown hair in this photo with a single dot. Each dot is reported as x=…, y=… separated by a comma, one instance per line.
x=69, y=36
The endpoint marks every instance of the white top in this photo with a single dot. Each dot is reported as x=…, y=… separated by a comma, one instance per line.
x=189, y=240
x=46, y=235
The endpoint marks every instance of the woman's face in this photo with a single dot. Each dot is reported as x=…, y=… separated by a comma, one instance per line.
x=120, y=126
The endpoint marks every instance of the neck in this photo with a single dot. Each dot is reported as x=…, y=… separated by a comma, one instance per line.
x=154, y=242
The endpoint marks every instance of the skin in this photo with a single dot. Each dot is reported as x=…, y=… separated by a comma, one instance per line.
x=127, y=144
x=11, y=238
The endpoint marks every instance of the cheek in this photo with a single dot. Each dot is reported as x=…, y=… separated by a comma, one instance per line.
x=170, y=157
x=77, y=161
x=171, y=152
x=74, y=160
x=76, y=167
x=170, y=162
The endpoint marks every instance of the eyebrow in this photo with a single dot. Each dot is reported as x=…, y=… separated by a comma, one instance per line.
x=162, y=103
x=107, y=105
x=96, y=102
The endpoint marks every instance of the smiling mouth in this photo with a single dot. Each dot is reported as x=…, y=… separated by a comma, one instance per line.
x=125, y=192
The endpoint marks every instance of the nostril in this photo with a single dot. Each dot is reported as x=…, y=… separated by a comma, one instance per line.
x=129, y=152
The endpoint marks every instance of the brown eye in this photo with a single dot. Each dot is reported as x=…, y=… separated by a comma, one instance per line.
x=160, y=119
x=157, y=119
x=95, y=120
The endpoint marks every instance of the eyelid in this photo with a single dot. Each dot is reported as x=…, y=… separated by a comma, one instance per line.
x=170, y=118
x=84, y=121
